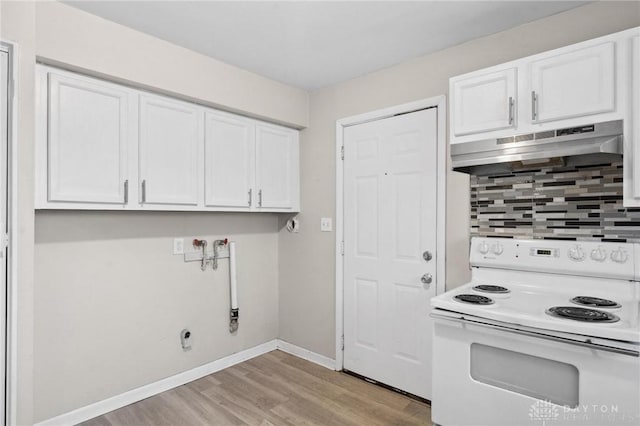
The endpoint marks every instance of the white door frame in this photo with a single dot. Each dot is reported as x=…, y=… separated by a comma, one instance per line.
x=12, y=260
x=438, y=102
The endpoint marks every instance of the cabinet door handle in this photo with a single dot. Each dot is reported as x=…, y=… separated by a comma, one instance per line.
x=510, y=110
x=260, y=198
x=250, y=192
x=534, y=106
x=144, y=191
x=126, y=191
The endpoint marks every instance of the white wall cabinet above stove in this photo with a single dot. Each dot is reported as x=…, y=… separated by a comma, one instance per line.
x=484, y=102
x=575, y=85
x=103, y=146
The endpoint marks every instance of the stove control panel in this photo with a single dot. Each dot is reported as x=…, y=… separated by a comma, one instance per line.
x=585, y=258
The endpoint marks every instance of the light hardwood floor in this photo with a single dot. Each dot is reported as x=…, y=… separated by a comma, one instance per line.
x=273, y=389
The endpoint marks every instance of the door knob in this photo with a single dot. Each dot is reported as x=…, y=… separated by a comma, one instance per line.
x=427, y=256
x=426, y=279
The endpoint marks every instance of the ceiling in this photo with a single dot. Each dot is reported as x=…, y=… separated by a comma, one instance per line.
x=313, y=44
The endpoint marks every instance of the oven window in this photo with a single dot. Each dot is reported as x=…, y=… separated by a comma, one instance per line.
x=529, y=375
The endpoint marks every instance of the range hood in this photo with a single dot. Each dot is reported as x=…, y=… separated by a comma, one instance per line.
x=589, y=144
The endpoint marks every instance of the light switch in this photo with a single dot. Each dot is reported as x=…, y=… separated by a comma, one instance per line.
x=178, y=246
x=325, y=224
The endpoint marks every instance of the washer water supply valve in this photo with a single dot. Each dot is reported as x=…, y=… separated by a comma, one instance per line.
x=217, y=244
x=202, y=244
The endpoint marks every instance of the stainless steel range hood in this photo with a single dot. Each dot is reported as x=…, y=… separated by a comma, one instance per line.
x=589, y=144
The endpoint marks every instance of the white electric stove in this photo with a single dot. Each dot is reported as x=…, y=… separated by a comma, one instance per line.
x=547, y=332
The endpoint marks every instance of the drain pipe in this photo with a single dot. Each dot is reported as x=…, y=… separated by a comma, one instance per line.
x=234, y=313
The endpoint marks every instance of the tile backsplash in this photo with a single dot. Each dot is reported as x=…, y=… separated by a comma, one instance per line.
x=563, y=202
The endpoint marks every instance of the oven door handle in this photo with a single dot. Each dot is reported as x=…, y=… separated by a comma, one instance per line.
x=589, y=345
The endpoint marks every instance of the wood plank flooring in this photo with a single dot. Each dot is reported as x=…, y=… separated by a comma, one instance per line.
x=273, y=389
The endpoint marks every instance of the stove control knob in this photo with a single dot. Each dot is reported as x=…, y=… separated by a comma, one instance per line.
x=483, y=248
x=497, y=249
x=576, y=253
x=619, y=256
x=599, y=254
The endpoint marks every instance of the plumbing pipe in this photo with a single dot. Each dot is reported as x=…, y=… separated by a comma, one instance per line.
x=203, y=245
x=234, y=313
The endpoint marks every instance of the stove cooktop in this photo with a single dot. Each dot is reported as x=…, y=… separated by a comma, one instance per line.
x=578, y=307
x=584, y=288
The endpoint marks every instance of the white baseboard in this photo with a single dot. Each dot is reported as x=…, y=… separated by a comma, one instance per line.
x=306, y=354
x=101, y=407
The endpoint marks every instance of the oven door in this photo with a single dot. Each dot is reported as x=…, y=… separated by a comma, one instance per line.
x=488, y=375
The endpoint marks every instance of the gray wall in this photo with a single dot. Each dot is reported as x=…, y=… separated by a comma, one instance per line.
x=111, y=300
x=307, y=265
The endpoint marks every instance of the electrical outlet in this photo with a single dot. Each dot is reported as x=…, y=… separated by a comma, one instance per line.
x=178, y=246
x=325, y=224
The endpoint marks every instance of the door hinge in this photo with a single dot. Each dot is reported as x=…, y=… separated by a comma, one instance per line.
x=5, y=240
x=342, y=248
x=342, y=152
x=342, y=341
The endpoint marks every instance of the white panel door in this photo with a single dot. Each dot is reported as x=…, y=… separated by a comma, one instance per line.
x=276, y=166
x=229, y=161
x=573, y=84
x=485, y=102
x=4, y=228
x=389, y=222
x=87, y=152
x=170, y=150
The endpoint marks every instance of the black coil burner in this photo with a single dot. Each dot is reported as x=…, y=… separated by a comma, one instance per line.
x=491, y=288
x=474, y=299
x=594, y=302
x=582, y=314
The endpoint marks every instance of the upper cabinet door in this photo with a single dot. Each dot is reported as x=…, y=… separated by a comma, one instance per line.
x=581, y=82
x=485, y=102
x=229, y=161
x=87, y=141
x=169, y=151
x=276, y=167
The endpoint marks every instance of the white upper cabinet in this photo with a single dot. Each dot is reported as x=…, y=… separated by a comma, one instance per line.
x=276, y=167
x=169, y=151
x=87, y=141
x=572, y=84
x=104, y=146
x=484, y=102
x=229, y=161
